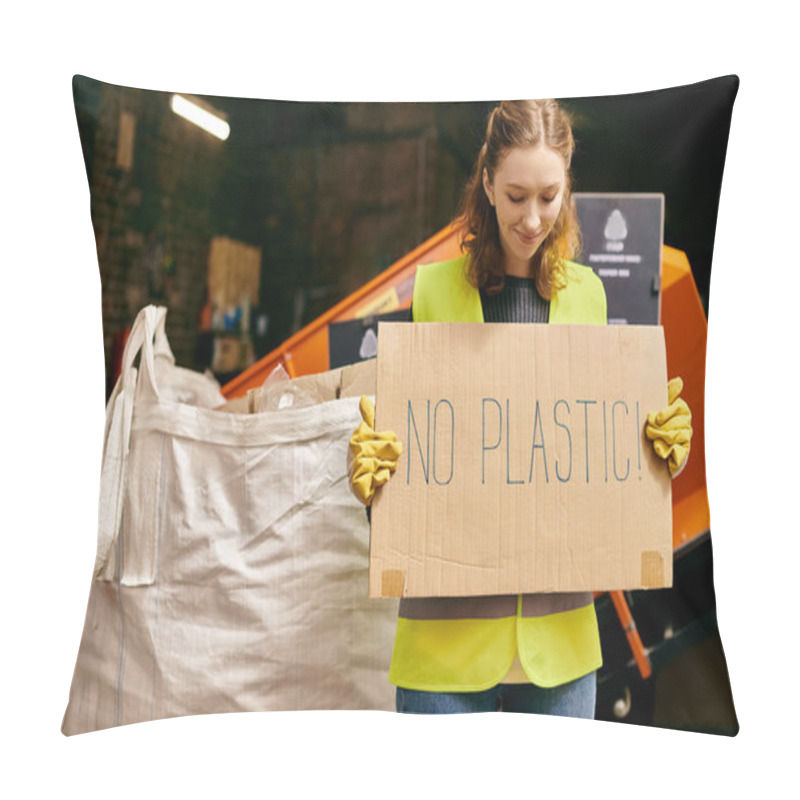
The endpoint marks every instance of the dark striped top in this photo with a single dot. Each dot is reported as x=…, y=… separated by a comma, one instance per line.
x=517, y=301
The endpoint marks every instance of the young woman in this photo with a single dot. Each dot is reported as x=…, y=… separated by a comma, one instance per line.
x=529, y=653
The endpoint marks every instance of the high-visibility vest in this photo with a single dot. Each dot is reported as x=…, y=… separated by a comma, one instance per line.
x=454, y=644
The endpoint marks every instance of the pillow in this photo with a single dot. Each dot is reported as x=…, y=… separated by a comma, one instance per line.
x=258, y=237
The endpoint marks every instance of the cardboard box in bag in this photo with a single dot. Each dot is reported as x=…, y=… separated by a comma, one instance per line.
x=352, y=380
x=525, y=467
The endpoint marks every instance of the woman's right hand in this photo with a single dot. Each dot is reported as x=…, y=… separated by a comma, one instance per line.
x=372, y=456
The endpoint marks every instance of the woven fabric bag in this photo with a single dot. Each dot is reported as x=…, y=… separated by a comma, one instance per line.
x=232, y=560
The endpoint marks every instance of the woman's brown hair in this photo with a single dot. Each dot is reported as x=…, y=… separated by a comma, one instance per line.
x=519, y=123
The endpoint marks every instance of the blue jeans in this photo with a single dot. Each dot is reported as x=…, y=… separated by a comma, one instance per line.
x=574, y=699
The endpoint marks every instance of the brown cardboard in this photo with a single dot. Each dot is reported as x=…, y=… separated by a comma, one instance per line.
x=494, y=492
x=321, y=387
x=352, y=380
x=358, y=379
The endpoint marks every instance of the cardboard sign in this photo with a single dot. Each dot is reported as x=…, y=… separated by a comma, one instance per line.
x=525, y=467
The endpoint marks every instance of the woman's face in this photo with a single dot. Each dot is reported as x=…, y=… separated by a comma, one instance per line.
x=527, y=192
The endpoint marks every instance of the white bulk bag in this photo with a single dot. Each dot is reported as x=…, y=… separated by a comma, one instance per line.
x=232, y=560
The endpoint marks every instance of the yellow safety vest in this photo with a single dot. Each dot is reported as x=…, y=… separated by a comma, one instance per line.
x=468, y=644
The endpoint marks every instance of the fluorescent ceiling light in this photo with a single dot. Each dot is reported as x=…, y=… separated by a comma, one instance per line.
x=200, y=115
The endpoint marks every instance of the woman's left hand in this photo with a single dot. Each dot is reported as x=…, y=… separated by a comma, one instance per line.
x=670, y=430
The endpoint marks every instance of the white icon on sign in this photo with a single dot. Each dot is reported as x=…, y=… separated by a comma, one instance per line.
x=616, y=231
x=369, y=345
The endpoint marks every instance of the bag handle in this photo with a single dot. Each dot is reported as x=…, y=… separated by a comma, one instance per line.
x=148, y=336
x=161, y=348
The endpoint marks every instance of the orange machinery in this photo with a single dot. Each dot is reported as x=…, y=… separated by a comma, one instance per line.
x=685, y=330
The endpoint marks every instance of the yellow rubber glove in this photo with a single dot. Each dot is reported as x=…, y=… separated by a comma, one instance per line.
x=670, y=430
x=372, y=457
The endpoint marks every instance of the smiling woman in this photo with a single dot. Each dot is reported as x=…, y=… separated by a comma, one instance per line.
x=527, y=194
x=518, y=214
x=531, y=652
